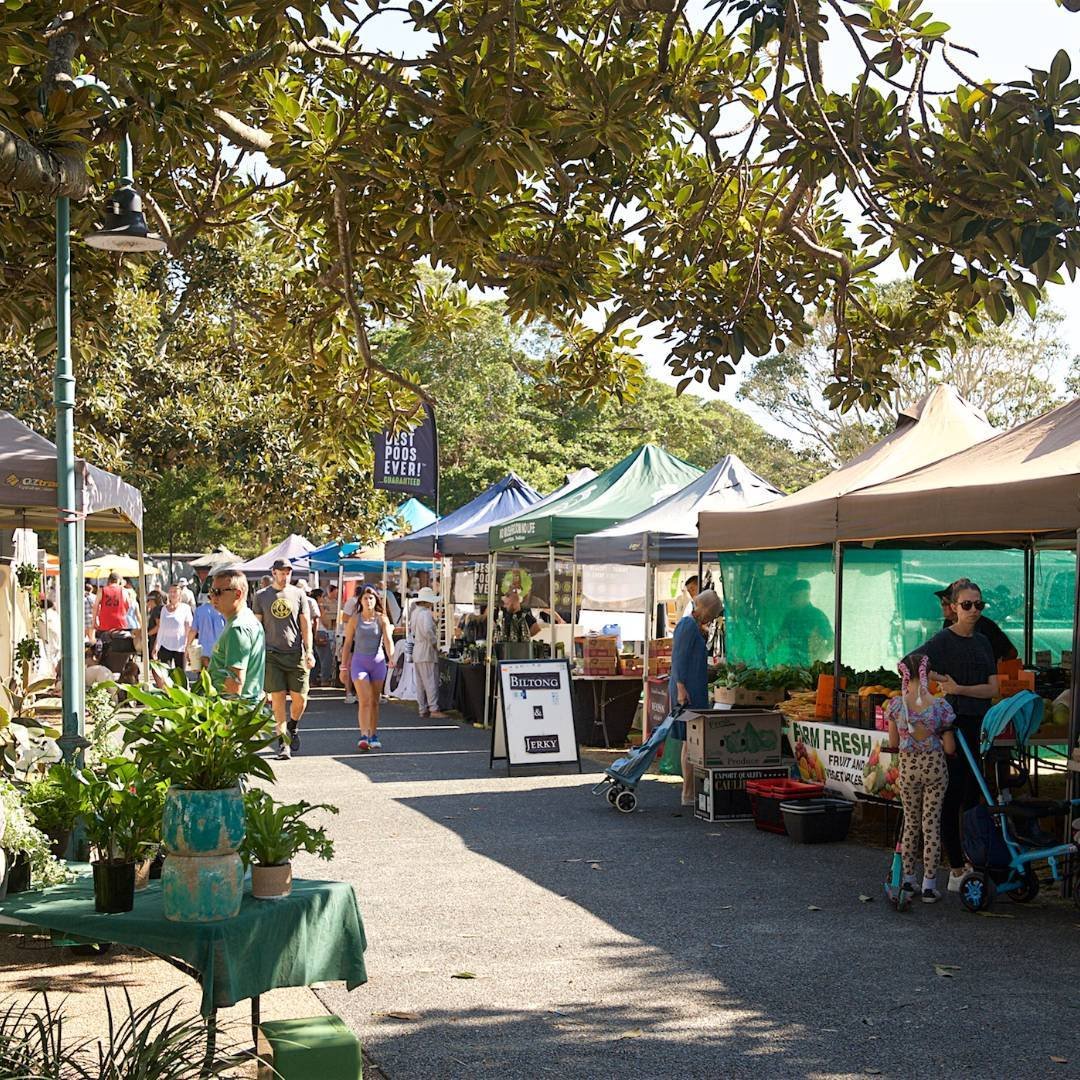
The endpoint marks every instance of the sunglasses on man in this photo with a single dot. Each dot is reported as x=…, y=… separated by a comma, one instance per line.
x=967, y=605
x=220, y=592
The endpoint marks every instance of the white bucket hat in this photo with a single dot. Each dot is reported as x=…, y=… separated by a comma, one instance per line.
x=427, y=596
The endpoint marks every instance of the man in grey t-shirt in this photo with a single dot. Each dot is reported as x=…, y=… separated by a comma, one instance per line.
x=282, y=609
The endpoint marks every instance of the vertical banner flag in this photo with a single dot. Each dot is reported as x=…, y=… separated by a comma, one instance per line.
x=409, y=461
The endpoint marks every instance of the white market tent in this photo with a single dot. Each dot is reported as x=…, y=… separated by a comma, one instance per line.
x=292, y=547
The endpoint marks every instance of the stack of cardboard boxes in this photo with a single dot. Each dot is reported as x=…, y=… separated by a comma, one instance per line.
x=660, y=658
x=600, y=653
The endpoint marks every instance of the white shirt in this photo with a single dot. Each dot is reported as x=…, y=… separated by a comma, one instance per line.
x=173, y=628
x=424, y=636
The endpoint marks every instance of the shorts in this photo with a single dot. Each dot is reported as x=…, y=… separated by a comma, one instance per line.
x=286, y=671
x=171, y=658
x=369, y=668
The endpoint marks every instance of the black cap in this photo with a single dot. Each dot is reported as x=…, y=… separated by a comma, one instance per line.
x=943, y=594
x=281, y=564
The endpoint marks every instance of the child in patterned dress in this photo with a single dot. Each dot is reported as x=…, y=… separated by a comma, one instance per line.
x=920, y=731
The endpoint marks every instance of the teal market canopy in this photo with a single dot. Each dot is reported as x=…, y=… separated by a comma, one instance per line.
x=634, y=484
x=667, y=532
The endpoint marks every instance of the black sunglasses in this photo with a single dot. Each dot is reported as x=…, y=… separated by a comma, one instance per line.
x=967, y=605
x=218, y=592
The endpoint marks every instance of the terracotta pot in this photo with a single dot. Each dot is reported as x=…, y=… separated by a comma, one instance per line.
x=271, y=882
x=142, y=874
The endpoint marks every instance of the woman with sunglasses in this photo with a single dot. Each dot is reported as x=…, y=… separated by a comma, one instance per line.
x=368, y=644
x=963, y=665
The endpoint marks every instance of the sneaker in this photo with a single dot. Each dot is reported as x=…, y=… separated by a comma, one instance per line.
x=930, y=896
x=373, y=743
x=363, y=746
x=955, y=879
x=294, y=734
x=284, y=750
x=350, y=699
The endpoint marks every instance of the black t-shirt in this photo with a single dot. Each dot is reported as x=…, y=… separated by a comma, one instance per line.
x=508, y=616
x=1000, y=644
x=969, y=660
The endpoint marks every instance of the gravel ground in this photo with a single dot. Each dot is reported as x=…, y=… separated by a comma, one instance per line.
x=653, y=945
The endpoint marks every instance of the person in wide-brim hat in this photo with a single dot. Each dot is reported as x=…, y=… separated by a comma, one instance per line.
x=425, y=652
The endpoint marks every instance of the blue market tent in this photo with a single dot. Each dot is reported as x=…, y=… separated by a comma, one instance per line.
x=415, y=515
x=353, y=558
x=464, y=532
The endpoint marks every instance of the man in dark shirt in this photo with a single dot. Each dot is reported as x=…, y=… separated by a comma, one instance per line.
x=1002, y=647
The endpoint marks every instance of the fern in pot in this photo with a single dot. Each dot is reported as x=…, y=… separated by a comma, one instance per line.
x=275, y=833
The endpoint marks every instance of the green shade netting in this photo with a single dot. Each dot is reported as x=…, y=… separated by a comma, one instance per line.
x=889, y=602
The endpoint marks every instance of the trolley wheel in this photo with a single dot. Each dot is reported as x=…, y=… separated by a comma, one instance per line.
x=903, y=899
x=626, y=802
x=976, y=891
x=1028, y=888
x=612, y=794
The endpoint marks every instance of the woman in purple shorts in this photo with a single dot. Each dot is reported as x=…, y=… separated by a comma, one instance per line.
x=367, y=645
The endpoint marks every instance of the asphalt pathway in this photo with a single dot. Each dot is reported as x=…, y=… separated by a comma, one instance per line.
x=652, y=945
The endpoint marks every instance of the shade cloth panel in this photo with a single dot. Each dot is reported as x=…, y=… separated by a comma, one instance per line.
x=637, y=482
x=313, y=935
x=464, y=530
x=28, y=485
x=939, y=425
x=667, y=532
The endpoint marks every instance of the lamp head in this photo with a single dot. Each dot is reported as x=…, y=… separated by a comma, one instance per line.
x=125, y=224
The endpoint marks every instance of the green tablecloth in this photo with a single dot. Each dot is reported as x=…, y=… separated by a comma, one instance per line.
x=313, y=935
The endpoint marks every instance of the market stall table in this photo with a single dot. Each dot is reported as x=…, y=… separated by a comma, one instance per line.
x=313, y=935
x=603, y=696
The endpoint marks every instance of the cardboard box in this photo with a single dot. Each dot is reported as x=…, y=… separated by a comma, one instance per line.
x=598, y=666
x=738, y=695
x=727, y=739
x=631, y=665
x=659, y=665
x=720, y=794
x=661, y=647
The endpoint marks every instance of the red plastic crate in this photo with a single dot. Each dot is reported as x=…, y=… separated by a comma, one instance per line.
x=767, y=795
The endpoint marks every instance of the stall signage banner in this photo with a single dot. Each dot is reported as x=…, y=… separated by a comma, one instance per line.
x=536, y=714
x=846, y=760
x=409, y=460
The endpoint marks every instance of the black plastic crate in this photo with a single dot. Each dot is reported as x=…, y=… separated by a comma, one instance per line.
x=817, y=821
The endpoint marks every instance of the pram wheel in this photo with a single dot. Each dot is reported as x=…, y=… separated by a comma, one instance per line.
x=626, y=802
x=612, y=794
x=976, y=891
x=1028, y=888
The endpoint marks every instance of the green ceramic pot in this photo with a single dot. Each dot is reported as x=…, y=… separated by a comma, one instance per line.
x=202, y=888
x=203, y=822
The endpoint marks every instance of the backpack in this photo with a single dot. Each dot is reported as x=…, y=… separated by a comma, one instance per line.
x=983, y=843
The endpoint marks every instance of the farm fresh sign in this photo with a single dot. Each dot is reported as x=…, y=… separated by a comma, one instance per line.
x=846, y=760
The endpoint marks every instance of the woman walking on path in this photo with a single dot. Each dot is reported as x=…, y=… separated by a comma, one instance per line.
x=363, y=663
x=920, y=730
x=688, y=683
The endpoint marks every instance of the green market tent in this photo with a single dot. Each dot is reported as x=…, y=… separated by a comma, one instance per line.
x=637, y=482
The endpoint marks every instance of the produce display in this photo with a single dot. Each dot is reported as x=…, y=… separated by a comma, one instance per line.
x=811, y=767
x=881, y=778
x=748, y=678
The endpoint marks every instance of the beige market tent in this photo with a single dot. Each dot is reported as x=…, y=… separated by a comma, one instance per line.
x=939, y=425
x=1025, y=482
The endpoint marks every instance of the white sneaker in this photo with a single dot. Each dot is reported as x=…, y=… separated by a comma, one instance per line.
x=955, y=879
x=350, y=699
x=284, y=750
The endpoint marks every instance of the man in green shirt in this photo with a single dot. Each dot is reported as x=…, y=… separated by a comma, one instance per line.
x=238, y=662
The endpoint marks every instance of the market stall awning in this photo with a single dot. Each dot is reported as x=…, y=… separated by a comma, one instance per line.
x=28, y=486
x=351, y=557
x=1022, y=482
x=637, y=482
x=939, y=425
x=415, y=515
x=292, y=547
x=220, y=556
x=464, y=531
x=667, y=532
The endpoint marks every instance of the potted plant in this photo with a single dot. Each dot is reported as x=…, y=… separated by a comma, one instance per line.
x=55, y=801
x=23, y=847
x=275, y=833
x=204, y=744
x=122, y=819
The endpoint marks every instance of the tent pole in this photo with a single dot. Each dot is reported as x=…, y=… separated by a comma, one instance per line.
x=405, y=594
x=650, y=620
x=1029, y=601
x=447, y=585
x=573, y=610
x=489, y=652
x=145, y=651
x=1072, y=784
x=551, y=597
x=838, y=618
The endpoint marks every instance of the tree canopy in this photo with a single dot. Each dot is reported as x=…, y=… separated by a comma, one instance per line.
x=703, y=176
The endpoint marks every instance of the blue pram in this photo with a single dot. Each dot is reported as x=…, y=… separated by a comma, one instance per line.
x=621, y=777
x=1002, y=858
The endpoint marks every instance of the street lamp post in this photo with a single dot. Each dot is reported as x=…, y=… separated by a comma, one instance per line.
x=125, y=230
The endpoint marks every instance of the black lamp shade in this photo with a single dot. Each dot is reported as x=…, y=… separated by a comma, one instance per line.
x=125, y=225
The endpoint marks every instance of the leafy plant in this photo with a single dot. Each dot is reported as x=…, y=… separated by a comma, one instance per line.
x=20, y=834
x=28, y=577
x=276, y=831
x=56, y=799
x=776, y=678
x=24, y=738
x=196, y=738
x=153, y=1041
x=28, y=650
x=123, y=811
